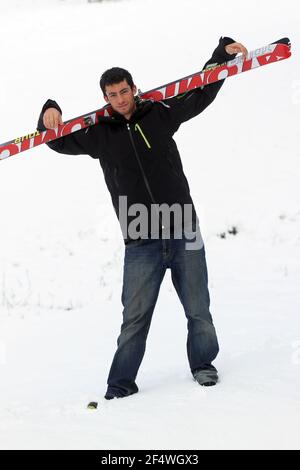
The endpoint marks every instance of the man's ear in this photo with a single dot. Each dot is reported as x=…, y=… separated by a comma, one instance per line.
x=134, y=90
x=106, y=99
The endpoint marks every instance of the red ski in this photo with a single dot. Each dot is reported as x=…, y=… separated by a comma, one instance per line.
x=275, y=52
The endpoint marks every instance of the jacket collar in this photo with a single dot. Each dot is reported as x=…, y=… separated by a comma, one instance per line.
x=142, y=108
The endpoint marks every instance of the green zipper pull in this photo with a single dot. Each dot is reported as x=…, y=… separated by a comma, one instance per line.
x=137, y=127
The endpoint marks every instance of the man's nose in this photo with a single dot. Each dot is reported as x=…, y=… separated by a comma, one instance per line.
x=120, y=99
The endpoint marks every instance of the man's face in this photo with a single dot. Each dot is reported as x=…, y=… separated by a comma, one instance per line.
x=121, y=98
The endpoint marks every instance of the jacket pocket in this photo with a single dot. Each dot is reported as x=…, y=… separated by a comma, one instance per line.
x=137, y=127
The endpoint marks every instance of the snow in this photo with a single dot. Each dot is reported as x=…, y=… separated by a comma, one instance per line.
x=61, y=250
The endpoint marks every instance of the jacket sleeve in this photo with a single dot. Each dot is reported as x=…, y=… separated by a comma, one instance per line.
x=190, y=104
x=77, y=143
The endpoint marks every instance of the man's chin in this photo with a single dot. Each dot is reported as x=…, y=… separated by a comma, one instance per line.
x=123, y=111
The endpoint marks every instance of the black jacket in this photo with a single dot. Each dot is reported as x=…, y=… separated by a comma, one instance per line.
x=139, y=157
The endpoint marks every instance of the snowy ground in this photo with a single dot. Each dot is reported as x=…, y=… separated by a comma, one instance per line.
x=61, y=250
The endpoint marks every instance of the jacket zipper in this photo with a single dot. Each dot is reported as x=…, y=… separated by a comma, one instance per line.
x=143, y=174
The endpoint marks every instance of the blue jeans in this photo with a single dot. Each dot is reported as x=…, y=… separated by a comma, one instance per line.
x=145, y=265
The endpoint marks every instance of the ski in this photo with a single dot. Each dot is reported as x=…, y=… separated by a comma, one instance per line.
x=275, y=52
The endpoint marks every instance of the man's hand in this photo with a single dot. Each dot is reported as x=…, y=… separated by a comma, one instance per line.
x=52, y=118
x=235, y=48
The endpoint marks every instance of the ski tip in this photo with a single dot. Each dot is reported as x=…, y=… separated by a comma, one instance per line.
x=93, y=405
x=285, y=41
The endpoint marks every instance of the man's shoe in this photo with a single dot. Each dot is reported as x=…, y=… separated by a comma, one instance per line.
x=206, y=376
x=110, y=397
x=114, y=394
x=208, y=384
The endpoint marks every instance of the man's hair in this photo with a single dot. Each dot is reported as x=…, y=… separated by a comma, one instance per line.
x=113, y=76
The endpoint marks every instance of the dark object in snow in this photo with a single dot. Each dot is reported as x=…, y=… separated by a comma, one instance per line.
x=93, y=405
x=232, y=231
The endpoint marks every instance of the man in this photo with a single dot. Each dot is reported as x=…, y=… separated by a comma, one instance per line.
x=141, y=163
